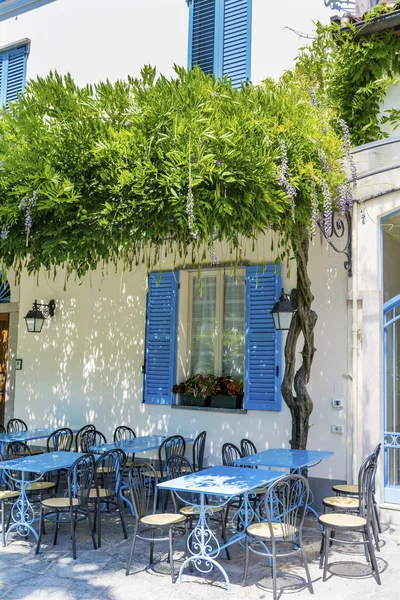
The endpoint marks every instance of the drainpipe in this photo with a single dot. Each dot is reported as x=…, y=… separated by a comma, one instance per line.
x=355, y=406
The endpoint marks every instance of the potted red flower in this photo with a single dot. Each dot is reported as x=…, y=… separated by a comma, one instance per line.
x=227, y=393
x=196, y=390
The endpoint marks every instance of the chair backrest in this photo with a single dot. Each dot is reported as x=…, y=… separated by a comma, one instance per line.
x=247, y=447
x=178, y=466
x=91, y=438
x=143, y=488
x=80, y=479
x=230, y=452
x=2, y=429
x=285, y=505
x=366, y=486
x=14, y=425
x=171, y=446
x=79, y=434
x=17, y=450
x=109, y=470
x=60, y=440
x=199, y=445
x=123, y=432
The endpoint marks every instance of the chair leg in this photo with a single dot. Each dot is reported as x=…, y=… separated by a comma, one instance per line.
x=57, y=526
x=72, y=519
x=374, y=564
x=246, y=564
x=375, y=528
x=121, y=516
x=3, y=524
x=274, y=590
x=188, y=525
x=322, y=549
x=307, y=570
x=89, y=518
x=41, y=522
x=223, y=526
x=151, y=560
x=128, y=566
x=326, y=544
x=171, y=553
x=376, y=513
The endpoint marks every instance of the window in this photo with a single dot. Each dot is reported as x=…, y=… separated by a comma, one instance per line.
x=12, y=8
x=220, y=38
x=230, y=331
x=13, y=71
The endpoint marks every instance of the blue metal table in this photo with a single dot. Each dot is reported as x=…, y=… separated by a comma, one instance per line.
x=26, y=436
x=284, y=458
x=227, y=482
x=22, y=513
x=136, y=445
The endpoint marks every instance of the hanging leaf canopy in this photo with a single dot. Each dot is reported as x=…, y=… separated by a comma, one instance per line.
x=104, y=172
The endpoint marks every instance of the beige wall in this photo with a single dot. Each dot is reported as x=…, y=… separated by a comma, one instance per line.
x=86, y=363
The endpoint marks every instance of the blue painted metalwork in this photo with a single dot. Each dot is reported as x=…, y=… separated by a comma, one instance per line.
x=391, y=312
x=136, y=445
x=227, y=482
x=341, y=5
x=26, y=436
x=12, y=8
x=263, y=344
x=12, y=73
x=5, y=292
x=284, y=458
x=161, y=338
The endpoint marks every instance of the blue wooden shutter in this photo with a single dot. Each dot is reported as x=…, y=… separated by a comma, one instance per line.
x=263, y=343
x=236, y=53
x=12, y=74
x=161, y=338
x=202, y=34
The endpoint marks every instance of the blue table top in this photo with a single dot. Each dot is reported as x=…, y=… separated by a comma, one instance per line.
x=284, y=458
x=42, y=463
x=135, y=445
x=222, y=481
x=27, y=436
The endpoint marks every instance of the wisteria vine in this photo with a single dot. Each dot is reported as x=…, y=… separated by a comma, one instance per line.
x=285, y=182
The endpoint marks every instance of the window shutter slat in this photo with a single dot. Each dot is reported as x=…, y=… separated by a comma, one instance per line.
x=237, y=41
x=263, y=343
x=161, y=338
x=16, y=74
x=201, y=34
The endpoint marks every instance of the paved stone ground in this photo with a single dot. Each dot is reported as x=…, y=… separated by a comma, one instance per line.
x=100, y=574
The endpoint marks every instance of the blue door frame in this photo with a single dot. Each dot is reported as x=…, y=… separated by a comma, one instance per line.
x=391, y=325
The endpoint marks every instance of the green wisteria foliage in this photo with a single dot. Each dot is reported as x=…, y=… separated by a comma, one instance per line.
x=129, y=170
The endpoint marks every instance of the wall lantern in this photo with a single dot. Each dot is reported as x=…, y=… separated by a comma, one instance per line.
x=284, y=309
x=36, y=316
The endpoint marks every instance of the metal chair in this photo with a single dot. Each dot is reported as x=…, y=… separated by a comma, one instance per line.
x=230, y=452
x=285, y=505
x=174, y=445
x=79, y=434
x=7, y=496
x=247, y=447
x=15, y=425
x=75, y=505
x=343, y=522
x=199, y=445
x=92, y=437
x=60, y=440
x=109, y=468
x=143, y=491
x=123, y=432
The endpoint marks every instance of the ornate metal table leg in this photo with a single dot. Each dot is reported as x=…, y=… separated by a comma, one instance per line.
x=22, y=513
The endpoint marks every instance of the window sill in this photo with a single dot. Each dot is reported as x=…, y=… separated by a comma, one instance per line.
x=240, y=411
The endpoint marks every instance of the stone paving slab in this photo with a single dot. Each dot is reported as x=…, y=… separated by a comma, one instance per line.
x=100, y=574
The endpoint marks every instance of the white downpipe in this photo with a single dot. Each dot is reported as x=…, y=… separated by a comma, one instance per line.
x=355, y=407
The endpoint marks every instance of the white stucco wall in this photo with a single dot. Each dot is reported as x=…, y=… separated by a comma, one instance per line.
x=86, y=364
x=97, y=39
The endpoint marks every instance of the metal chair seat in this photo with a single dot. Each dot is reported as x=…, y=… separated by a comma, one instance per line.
x=99, y=493
x=194, y=510
x=37, y=486
x=342, y=521
x=342, y=502
x=7, y=494
x=60, y=502
x=349, y=489
x=162, y=519
x=279, y=530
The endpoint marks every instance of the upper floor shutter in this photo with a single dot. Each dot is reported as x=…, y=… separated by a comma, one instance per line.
x=12, y=73
x=161, y=338
x=263, y=343
x=236, y=52
x=202, y=34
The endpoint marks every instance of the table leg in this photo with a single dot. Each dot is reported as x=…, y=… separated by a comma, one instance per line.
x=22, y=513
x=203, y=547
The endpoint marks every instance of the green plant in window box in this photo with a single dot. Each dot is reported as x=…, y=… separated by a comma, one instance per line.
x=227, y=393
x=196, y=390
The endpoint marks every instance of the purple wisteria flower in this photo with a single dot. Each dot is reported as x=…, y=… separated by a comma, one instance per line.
x=26, y=204
x=313, y=95
x=4, y=232
x=326, y=166
x=189, y=210
x=285, y=182
x=327, y=209
x=213, y=254
x=342, y=199
x=314, y=209
x=128, y=123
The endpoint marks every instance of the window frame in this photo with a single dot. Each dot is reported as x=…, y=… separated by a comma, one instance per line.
x=13, y=8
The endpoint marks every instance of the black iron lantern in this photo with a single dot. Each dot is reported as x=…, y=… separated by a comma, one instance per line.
x=283, y=310
x=36, y=316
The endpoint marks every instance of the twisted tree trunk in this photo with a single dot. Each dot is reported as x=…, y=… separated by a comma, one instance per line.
x=294, y=384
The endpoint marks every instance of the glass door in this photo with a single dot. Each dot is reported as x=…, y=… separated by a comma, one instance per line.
x=392, y=400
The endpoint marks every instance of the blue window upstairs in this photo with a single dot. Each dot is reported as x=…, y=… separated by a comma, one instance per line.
x=13, y=72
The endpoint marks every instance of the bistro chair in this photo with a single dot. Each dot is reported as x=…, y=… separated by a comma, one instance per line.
x=60, y=441
x=75, y=504
x=174, y=445
x=109, y=468
x=15, y=425
x=143, y=491
x=344, y=522
x=247, y=447
x=123, y=432
x=90, y=438
x=7, y=496
x=230, y=452
x=280, y=536
x=199, y=445
x=79, y=434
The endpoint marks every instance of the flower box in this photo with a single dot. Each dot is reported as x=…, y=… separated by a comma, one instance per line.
x=189, y=400
x=234, y=402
